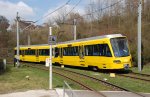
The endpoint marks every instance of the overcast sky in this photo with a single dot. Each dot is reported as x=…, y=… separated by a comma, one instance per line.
x=35, y=9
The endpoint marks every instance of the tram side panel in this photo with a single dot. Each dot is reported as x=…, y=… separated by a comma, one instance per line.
x=68, y=55
x=98, y=54
x=103, y=53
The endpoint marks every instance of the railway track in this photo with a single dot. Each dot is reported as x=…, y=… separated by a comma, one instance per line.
x=141, y=74
x=134, y=77
x=93, y=78
x=78, y=82
x=101, y=81
x=138, y=76
x=90, y=77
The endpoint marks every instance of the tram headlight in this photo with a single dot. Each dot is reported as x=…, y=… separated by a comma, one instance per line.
x=117, y=61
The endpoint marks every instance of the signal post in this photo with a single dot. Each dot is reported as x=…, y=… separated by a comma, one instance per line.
x=51, y=41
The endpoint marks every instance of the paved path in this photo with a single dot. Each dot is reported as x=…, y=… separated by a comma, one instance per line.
x=32, y=93
x=107, y=94
x=85, y=93
x=68, y=93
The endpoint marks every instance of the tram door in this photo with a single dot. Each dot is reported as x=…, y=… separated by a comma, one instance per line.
x=23, y=53
x=61, y=55
x=37, y=55
x=81, y=55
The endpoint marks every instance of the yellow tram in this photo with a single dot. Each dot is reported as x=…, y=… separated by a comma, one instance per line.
x=101, y=52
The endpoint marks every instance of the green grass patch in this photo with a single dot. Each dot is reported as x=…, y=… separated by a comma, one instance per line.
x=14, y=79
x=145, y=70
x=128, y=83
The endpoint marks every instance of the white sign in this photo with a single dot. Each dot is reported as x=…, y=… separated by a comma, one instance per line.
x=47, y=62
x=51, y=40
x=17, y=57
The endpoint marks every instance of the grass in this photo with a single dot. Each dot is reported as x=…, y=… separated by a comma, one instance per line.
x=88, y=82
x=14, y=79
x=146, y=69
x=128, y=83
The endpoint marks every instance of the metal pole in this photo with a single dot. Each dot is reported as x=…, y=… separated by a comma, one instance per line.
x=50, y=62
x=74, y=29
x=17, y=18
x=139, y=34
x=28, y=39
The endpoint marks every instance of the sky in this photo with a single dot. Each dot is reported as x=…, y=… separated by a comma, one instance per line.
x=35, y=9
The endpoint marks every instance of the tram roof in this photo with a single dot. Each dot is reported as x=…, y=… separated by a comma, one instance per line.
x=78, y=40
x=93, y=38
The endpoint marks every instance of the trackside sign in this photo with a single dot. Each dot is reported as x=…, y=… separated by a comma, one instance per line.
x=52, y=40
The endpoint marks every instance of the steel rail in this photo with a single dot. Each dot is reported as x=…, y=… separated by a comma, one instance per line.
x=148, y=75
x=134, y=77
x=105, y=82
x=95, y=79
x=79, y=83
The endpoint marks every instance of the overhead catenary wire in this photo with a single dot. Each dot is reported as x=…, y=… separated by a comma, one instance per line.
x=73, y=7
x=54, y=11
x=47, y=15
x=71, y=10
x=101, y=9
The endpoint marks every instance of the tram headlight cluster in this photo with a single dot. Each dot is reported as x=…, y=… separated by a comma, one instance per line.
x=117, y=61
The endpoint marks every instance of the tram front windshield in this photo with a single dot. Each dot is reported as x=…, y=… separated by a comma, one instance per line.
x=120, y=47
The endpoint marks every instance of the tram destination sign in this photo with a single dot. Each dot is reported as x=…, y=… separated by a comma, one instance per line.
x=52, y=40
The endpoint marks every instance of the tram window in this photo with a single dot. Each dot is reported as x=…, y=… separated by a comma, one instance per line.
x=47, y=52
x=67, y=51
x=75, y=51
x=70, y=51
x=20, y=52
x=92, y=50
x=40, y=52
x=32, y=52
x=44, y=52
x=29, y=52
x=26, y=52
x=97, y=50
x=104, y=50
x=56, y=52
x=87, y=50
x=64, y=51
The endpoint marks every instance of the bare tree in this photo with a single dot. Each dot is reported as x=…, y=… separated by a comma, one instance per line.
x=4, y=24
